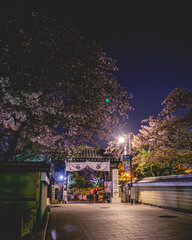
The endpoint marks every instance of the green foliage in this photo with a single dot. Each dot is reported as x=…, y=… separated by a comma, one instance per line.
x=80, y=180
x=85, y=178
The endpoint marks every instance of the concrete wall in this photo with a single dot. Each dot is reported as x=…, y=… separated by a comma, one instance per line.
x=43, y=196
x=18, y=191
x=18, y=201
x=170, y=191
x=23, y=198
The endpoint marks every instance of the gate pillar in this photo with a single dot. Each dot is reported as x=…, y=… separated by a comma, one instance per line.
x=115, y=180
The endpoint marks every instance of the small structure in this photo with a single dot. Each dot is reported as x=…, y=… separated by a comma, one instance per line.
x=90, y=154
x=98, y=160
x=115, y=180
x=90, y=157
x=23, y=197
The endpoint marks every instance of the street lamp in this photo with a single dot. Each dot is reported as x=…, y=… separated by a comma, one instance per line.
x=130, y=158
x=127, y=157
x=61, y=177
x=121, y=139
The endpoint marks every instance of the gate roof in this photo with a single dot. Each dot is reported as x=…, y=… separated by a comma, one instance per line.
x=93, y=154
x=101, y=159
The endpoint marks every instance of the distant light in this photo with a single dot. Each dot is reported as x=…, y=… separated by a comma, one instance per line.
x=61, y=177
x=107, y=100
x=53, y=234
x=121, y=139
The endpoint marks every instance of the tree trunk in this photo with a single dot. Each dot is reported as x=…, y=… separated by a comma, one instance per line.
x=10, y=152
x=151, y=167
x=170, y=167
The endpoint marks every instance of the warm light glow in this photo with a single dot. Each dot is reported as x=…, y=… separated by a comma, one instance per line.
x=121, y=139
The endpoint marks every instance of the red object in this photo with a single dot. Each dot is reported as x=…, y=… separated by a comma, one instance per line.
x=91, y=191
x=96, y=189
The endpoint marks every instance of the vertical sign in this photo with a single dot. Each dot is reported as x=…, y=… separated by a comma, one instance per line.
x=127, y=168
x=115, y=176
x=65, y=188
x=107, y=186
x=52, y=192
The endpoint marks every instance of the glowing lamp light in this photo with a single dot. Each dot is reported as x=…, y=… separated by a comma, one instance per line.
x=121, y=139
x=61, y=177
x=107, y=100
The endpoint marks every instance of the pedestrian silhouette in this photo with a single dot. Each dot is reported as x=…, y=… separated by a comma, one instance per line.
x=91, y=192
x=96, y=192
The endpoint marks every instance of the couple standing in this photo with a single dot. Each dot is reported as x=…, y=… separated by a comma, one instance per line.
x=93, y=192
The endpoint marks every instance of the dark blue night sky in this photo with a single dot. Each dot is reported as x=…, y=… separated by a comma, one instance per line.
x=152, y=44
x=153, y=48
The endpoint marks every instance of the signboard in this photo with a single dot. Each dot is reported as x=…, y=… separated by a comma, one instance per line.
x=52, y=192
x=107, y=186
x=126, y=157
x=133, y=193
x=126, y=168
x=97, y=166
x=115, y=176
x=126, y=162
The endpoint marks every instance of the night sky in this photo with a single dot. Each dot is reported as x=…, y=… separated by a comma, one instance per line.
x=152, y=44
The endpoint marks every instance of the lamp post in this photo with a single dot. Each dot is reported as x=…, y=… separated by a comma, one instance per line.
x=130, y=158
x=130, y=163
x=122, y=140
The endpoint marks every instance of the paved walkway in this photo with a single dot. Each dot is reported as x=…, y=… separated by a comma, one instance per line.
x=104, y=221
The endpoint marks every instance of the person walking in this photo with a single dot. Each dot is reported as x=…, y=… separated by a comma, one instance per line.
x=96, y=192
x=91, y=192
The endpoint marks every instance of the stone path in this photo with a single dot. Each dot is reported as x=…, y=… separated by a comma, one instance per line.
x=104, y=221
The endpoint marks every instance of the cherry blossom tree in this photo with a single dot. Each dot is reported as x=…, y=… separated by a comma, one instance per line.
x=164, y=143
x=53, y=86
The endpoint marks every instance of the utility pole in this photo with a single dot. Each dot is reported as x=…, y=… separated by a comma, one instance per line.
x=130, y=163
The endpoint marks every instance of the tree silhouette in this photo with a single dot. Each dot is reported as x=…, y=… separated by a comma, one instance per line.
x=54, y=83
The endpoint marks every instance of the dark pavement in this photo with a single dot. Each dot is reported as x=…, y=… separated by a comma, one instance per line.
x=105, y=221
